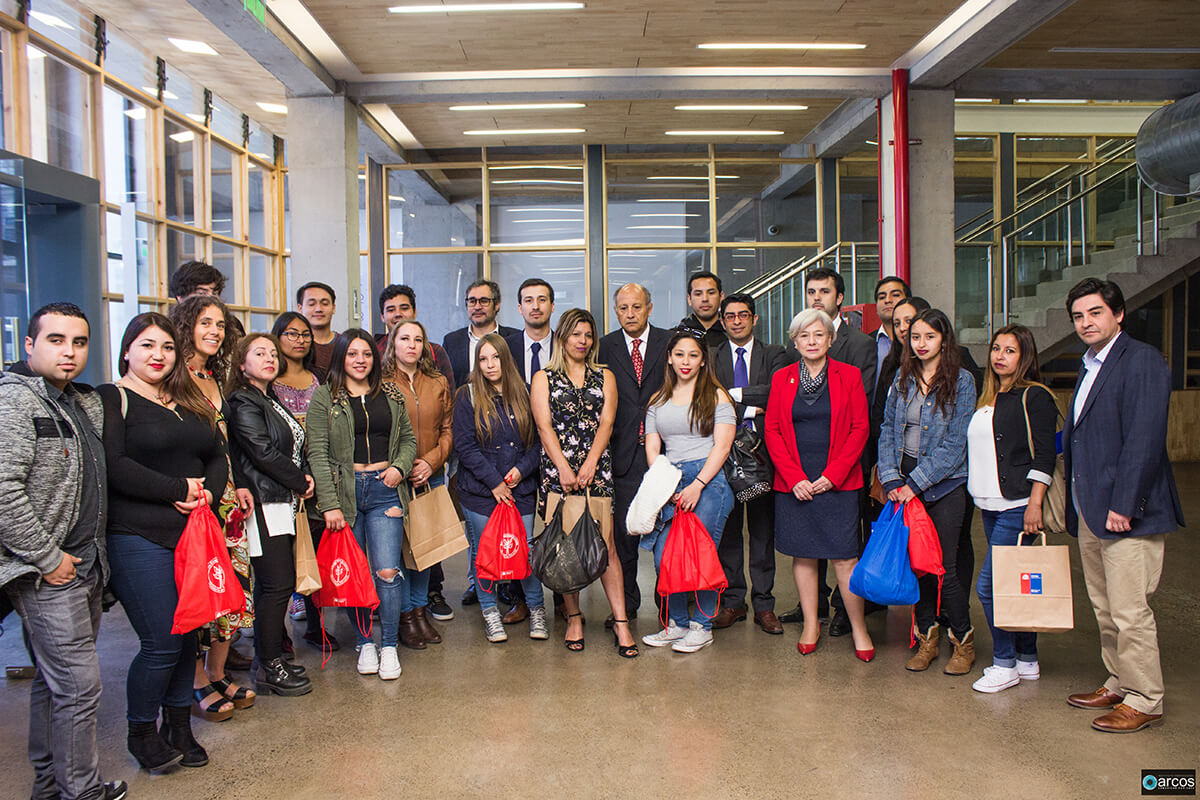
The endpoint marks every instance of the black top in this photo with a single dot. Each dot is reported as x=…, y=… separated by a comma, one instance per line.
x=713, y=337
x=372, y=427
x=261, y=444
x=150, y=452
x=81, y=541
x=1013, y=459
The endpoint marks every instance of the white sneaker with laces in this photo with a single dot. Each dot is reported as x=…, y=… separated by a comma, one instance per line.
x=389, y=664
x=672, y=633
x=1028, y=670
x=996, y=679
x=537, y=623
x=368, y=659
x=493, y=626
x=696, y=638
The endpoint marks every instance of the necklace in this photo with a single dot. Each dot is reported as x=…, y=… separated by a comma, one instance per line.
x=202, y=374
x=159, y=396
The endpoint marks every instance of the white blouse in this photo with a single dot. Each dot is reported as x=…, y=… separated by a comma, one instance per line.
x=983, y=478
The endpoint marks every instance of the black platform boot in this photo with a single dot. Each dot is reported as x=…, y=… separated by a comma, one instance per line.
x=177, y=730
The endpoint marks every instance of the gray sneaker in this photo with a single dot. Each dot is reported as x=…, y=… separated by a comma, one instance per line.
x=537, y=623
x=672, y=633
x=494, y=625
x=696, y=638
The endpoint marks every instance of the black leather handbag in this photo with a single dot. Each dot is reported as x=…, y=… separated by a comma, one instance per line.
x=567, y=562
x=748, y=468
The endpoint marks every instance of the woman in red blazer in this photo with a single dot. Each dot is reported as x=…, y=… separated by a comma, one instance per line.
x=816, y=427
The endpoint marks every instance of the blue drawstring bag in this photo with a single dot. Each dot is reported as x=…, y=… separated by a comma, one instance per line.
x=884, y=574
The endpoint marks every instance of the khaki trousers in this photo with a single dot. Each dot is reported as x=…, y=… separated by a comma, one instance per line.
x=1121, y=575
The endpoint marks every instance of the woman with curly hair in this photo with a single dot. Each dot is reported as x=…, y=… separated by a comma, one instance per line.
x=204, y=349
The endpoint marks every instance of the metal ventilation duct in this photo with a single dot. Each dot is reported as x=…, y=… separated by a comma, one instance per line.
x=1168, y=148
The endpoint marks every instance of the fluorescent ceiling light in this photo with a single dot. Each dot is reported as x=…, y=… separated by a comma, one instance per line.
x=725, y=133
x=530, y=221
x=539, y=180
x=535, y=166
x=672, y=216
x=51, y=20
x=193, y=46
x=263, y=156
x=689, y=177
x=672, y=200
x=183, y=137
x=872, y=142
x=272, y=108
x=741, y=108
x=450, y=8
x=396, y=197
x=1044, y=101
x=545, y=243
x=136, y=113
x=195, y=117
x=972, y=100
x=551, y=209
x=520, y=107
x=657, y=227
x=781, y=46
x=1121, y=50
x=523, y=131
x=167, y=93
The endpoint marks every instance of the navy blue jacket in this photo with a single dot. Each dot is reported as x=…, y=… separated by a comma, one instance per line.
x=1115, y=454
x=483, y=465
x=458, y=343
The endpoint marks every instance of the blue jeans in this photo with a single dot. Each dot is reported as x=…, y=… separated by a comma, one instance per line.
x=486, y=590
x=380, y=536
x=143, y=579
x=418, y=579
x=716, y=501
x=1003, y=529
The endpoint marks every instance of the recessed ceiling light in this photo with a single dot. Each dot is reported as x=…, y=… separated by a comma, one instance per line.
x=1122, y=50
x=136, y=113
x=183, y=137
x=193, y=46
x=972, y=100
x=741, y=108
x=450, y=8
x=724, y=133
x=538, y=180
x=781, y=46
x=194, y=117
x=536, y=166
x=272, y=108
x=167, y=93
x=689, y=177
x=523, y=131
x=51, y=20
x=520, y=107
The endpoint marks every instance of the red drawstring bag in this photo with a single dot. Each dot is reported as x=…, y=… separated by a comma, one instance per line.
x=204, y=577
x=689, y=561
x=503, y=548
x=924, y=548
x=346, y=580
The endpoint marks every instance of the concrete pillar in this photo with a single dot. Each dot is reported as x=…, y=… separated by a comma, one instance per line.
x=323, y=201
x=930, y=195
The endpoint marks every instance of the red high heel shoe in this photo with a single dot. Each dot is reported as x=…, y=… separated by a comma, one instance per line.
x=865, y=655
x=805, y=649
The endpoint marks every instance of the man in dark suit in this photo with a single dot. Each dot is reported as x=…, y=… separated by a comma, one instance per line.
x=531, y=348
x=636, y=354
x=704, y=296
x=483, y=304
x=1121, y=501
x=745, y=365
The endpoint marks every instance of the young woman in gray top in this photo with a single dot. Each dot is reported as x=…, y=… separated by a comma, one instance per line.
x=692, y=420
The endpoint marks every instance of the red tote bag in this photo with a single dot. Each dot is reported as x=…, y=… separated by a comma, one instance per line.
x=503, y=553
x=689, y=560
x=204, y=576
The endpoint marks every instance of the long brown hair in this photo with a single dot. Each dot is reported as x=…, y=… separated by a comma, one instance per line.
x=241, y=348
x=944, y=386
x=391, y=366
x=1028, y=371
x=514, y=397
x=703, y=410
x=185, y=315
x=566, y=326
x=178, y=382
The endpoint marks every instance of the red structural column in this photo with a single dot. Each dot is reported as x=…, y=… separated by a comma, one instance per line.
x=900, y=168
x=879, y=143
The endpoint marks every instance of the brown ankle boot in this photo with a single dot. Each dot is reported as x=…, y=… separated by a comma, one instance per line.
x=927, y=652
x=410, y=634
x=964, y=654
x=425, y=627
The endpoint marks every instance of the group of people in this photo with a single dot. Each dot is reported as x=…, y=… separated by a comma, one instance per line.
x=301, y=430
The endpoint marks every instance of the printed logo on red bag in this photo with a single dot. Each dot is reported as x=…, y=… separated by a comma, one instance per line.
x=509, y=545
x=339, y=571
x=216, y=576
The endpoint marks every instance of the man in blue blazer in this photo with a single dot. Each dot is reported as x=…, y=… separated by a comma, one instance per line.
x=483, y=304
x=1121, y=500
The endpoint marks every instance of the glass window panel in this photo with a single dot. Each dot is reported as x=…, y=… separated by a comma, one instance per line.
x=124, y=256
x=5, y=44
x=973, y=199
x=59, y=112
x=184, y=96
x=226, y=120
x=759, y=202
x=974, y=146
x=261, y=142
x=737, y=266
x=223, y=188
x=657, y=203
x=858, y=201
x=562, y=269
x=663, y=272
x=287, y=217
x=536, y=204
x=435, y=208
x=60, y=23
x=440, y=282
x=181, y=247
x=1061, y=147
x=261, y=323
x=119, y=314
x=126, y=151
x=179, y=170
x=363, y=235
x=127, y=60
x=225, y=258
x=262, y=279
x=259, y=205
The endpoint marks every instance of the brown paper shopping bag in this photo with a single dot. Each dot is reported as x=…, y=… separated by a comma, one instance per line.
x=1031, y=588
x=308, y=576
x=433, y=532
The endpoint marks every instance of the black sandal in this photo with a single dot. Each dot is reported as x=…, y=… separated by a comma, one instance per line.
x=211, y=712
x=623, y=651
x=242, y=698
x=574, y=645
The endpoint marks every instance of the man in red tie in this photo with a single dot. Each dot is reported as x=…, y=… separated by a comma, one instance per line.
x=636, y=354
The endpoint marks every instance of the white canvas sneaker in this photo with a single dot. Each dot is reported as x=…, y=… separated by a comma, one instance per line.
x=696, y=638
x=1028, y=670
x=389, y=664
x=996, y=679
x=368, y=659
x=672, y=633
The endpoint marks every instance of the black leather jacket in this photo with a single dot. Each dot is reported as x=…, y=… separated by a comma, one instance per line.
x=260, y=447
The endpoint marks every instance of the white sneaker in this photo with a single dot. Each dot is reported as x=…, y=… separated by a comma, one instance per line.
x=672, y=633
x=696, y=638
x=996, y=679
x=493, y=626
x=368, y=659
x=1028, y=670
x=389, y=664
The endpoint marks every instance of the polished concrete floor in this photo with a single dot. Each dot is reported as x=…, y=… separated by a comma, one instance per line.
x=747, y=717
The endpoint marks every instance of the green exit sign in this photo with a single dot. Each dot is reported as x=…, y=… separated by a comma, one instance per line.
x=256, y=9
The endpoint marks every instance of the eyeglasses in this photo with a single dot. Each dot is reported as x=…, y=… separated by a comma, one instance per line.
x=736, y=315
x=297, y=336
x=479, y=301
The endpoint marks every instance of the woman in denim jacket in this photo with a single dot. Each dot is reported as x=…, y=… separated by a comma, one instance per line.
x=923, y=453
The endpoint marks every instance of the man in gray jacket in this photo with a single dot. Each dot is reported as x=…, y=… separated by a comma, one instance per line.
x=53, y=503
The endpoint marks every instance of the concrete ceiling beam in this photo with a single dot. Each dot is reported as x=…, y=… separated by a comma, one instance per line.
x=1090, y=84
x=843, y=131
